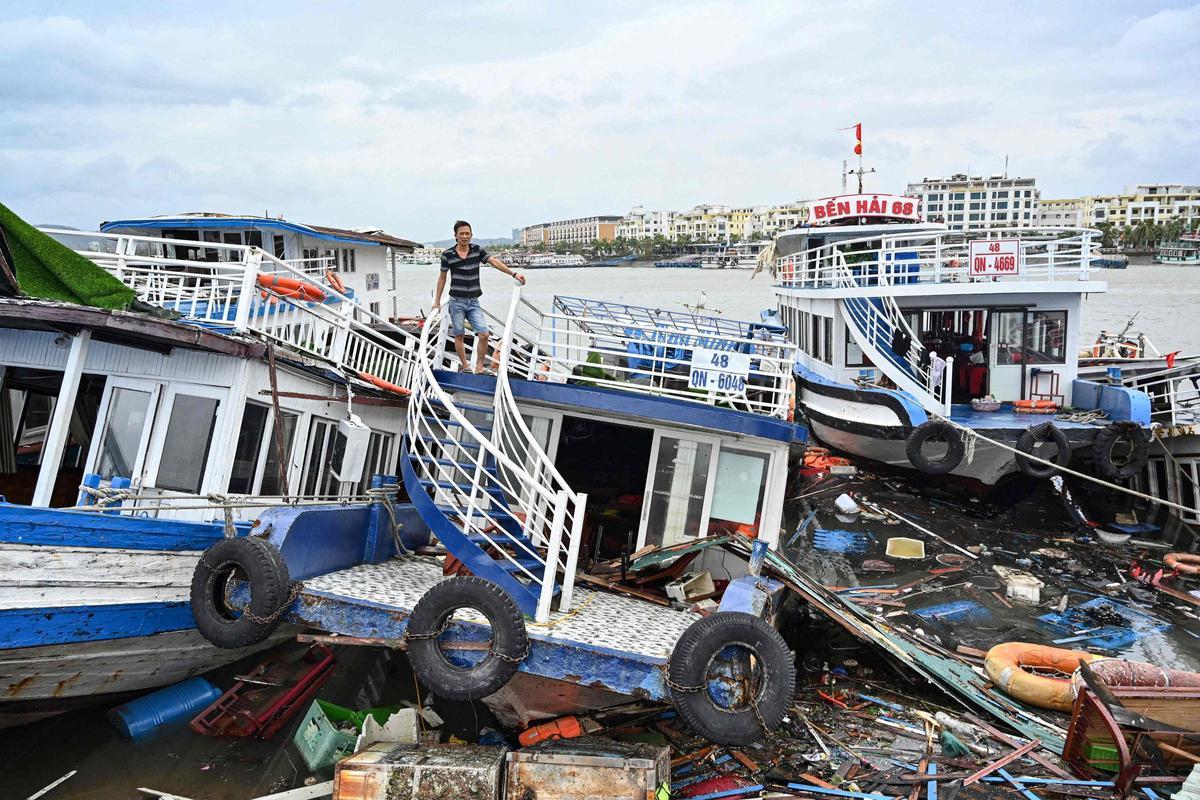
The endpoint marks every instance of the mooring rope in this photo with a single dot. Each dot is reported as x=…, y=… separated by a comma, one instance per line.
x=1076, y=473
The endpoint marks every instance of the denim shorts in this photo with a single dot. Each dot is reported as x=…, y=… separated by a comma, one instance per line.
x=470, y=310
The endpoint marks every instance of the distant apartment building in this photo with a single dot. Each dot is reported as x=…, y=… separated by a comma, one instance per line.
x=713, y=223
x=571, y=231
x=974, y=201
x=1146, y=202
x=642, y=224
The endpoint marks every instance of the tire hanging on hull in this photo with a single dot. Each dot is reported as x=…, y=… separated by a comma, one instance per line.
x=935, y=429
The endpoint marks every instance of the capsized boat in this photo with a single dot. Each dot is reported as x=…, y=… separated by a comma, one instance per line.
x=914, y=337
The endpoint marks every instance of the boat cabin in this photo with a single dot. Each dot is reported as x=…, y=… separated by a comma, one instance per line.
x=365, y=261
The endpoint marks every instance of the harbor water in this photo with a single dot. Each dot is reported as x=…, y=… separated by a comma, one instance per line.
x=1167, y=298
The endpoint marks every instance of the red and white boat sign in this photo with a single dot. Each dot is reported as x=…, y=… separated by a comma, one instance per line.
x=994, y=257
x=848, y=206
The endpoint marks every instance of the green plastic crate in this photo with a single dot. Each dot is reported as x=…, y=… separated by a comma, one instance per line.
x=1102, y=756
x=318, y=738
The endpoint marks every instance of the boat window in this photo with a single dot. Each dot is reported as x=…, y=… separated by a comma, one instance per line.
x=738, y=493
x=677, y=494
x=378, y=461
x=249, y=447
x=185, y=448
x=277, y=246
x=127, y=409
x=270, y=484
x=854, y=353
x=1007, y=329
x=1045, y=337
x=320, y=444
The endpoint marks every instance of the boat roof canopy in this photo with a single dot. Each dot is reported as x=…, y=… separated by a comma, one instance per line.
x=208, y=221
x=795, y=240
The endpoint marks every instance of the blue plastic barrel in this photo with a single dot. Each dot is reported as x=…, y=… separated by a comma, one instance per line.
x=138, y=718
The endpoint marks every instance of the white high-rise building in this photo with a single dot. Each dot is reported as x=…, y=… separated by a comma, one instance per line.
x=642, y=224
x=973, y=201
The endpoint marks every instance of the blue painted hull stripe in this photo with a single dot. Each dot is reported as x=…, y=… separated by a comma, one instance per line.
x=53, y=527
x=33, y=627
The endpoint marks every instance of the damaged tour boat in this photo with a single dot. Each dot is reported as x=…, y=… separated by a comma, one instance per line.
x=935, y=349
x=158, y=393
x=608, y=429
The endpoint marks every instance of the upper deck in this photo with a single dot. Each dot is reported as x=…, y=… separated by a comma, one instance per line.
x=925, y=259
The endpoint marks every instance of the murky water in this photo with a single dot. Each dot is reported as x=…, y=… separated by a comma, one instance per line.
x=1168, y=298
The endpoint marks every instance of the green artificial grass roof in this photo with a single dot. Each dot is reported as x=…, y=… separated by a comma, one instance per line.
x=52, y=271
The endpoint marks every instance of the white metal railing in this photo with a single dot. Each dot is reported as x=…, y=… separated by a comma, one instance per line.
x=874, y=321
x=1174, y=394
x=249, y=290
x=462, y=466
x=925, y=257
x=646, y=351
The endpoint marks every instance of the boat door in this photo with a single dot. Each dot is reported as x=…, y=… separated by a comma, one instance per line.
x=678, y=487
x=1007, y=354
x=128, y=412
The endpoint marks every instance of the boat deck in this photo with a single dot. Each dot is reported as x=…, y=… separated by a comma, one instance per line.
x=604, y=640
x=1007, y=419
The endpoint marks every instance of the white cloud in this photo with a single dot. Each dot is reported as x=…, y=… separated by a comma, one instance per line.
x=509, y=114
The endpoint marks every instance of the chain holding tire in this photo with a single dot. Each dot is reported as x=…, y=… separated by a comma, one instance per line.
x=758, y=715
x=492, y=651
x=293, y=592
x=675, y=687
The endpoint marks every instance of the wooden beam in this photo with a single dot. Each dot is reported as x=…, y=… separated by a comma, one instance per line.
x=60, y=421
x=358, y=399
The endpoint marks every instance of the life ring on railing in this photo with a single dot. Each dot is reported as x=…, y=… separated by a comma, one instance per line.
x=1097, y=350
x=791, y=412
x=334, y=281
x=291, y=287
x=1020, y=670
x=1183, y=563
x=382, y=384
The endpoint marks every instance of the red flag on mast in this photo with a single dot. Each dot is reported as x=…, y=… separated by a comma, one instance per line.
x=858, y=137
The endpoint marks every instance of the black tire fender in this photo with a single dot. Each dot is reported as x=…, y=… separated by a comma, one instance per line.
x=510, y=640
x=1027, y=441
x=935, y=428
x=1108, y=438
x=246, y=559
x=688, y=669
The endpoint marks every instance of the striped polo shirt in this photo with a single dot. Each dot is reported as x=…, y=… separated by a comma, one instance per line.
x=464, y=272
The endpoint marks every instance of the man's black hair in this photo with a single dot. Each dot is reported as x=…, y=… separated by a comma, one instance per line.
x=460, y=223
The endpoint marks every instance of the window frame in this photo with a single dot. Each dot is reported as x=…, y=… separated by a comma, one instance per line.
x=139, y=463
x=162, y=423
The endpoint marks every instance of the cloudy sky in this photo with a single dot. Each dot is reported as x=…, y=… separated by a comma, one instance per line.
x=406, y=116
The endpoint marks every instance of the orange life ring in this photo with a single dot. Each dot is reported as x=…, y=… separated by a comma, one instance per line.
x=1023, y=406
x=382, y=384
x=1097, y=350
x=334, y=281
x=1013, y=666
x=291, y=287
x=1183, y=563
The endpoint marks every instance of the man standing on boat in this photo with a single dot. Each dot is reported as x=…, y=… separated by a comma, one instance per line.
x=461, y=263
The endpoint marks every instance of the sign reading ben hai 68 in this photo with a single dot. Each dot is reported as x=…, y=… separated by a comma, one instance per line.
x=847, y=206
x=993, y=257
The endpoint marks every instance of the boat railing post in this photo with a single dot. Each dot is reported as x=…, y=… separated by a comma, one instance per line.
x=1086, y=244
x=937, y=259
x=552, y=547
x=947, y=384
x=246, y=293
x=579, y=503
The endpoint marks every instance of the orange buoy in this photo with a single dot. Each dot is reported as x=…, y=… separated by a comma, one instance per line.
x=1034, y=673
x=382, y=384
x=1023, y=406
x=1183, y=563
x=291, y=287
